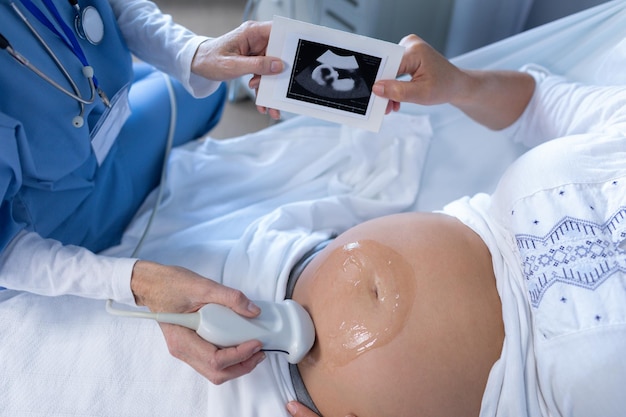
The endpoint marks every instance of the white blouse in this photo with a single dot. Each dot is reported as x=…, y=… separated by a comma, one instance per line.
x=556, y=228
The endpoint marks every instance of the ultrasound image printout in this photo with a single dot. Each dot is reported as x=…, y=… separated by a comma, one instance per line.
x=329, y=73
x=333, y=77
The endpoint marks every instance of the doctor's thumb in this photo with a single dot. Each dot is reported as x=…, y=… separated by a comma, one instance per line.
x=261, y=65
x=235, y=300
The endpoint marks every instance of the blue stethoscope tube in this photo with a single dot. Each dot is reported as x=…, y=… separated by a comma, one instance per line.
x=78, y=121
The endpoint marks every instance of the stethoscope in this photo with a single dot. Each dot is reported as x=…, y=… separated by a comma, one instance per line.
x=88, y=25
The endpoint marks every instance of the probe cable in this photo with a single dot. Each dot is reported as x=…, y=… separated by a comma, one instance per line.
x=159, y=197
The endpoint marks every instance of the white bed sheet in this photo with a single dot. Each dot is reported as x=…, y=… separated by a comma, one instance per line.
x=280, y=191
x=240, y=211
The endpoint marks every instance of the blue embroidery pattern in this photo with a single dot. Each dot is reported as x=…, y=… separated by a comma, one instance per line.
x=575, y=252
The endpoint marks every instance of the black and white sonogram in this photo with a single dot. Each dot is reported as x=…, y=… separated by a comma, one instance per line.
x=333, y=77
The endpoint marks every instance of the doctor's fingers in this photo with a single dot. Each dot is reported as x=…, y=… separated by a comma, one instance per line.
x=227, y=65
x=223, y=59
x=247, y=46
x=252, y=36
x=217, y=365
x=273, y=113
x=254, y=85
x=263, y=65
x=234, y=299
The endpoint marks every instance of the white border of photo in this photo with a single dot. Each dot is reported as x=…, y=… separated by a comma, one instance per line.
x=283, y=43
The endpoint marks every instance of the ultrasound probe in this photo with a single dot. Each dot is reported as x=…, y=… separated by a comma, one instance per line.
x=282, y=326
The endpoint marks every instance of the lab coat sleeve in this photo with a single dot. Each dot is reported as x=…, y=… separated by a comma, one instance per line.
x=156, y=39
x=46, y=267
x=31, y=263
x=561, y=108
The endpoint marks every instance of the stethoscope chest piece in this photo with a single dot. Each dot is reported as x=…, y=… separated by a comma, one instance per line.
x=89, y=25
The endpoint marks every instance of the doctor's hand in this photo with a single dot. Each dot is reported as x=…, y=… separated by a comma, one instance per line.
x=237, y=53
x=178, y=290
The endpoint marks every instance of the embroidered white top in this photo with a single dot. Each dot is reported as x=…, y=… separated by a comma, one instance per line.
x=556, y=227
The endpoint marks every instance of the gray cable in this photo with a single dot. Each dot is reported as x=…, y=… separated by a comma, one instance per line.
x=168, y=148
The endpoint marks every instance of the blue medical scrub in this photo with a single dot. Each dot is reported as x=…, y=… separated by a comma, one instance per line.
x=50, y=179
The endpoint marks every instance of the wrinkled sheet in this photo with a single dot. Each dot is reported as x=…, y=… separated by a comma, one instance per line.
x=244, y=210
x=241, y=211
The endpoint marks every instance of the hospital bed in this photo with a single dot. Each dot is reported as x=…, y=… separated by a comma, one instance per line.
x=244, y=210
